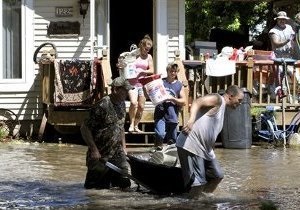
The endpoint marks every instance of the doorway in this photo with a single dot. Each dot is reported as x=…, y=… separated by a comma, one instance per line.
x=129, y=22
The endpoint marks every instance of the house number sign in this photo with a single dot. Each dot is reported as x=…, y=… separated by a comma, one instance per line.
x=63, y=11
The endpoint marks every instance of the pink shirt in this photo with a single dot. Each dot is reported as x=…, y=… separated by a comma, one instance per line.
x=140, y=64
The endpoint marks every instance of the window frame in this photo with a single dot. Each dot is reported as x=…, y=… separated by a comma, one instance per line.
x=27, y=41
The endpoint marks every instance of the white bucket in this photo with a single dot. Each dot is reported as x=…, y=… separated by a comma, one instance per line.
x=156, y=91
x=130, y=71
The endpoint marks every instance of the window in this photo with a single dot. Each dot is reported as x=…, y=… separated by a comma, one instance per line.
x=11, y=39
x=16, y=40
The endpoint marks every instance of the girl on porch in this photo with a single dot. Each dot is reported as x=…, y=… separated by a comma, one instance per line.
x=144, y=65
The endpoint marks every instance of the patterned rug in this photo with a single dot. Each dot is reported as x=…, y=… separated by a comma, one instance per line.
x=73, y=85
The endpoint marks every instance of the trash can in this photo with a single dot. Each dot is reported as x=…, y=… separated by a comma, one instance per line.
x=237, y=128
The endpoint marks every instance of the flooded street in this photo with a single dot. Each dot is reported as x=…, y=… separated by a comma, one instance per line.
x=51, y=176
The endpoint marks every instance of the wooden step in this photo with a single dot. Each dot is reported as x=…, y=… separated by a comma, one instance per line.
x=141, y=133
x=139, y=145
x=140, y=138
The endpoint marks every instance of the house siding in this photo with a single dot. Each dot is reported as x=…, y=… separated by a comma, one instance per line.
x=27, y=104
x=77, y=47
x=174, y=30
x=67, y=47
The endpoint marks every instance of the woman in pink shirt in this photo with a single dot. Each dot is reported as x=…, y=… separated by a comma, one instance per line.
x=144, y=66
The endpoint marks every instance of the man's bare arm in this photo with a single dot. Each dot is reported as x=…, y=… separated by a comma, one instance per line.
x=205, y=102
x=89, y=140
x=277, y=43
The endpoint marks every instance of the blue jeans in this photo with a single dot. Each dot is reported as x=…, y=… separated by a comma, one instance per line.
x=165, y=131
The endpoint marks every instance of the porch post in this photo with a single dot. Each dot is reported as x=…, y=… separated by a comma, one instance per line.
x=250, y=64
x=161, y=47
x=92, y=27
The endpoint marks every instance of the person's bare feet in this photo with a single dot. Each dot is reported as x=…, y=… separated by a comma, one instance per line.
x=131, y=129
x=136, y=129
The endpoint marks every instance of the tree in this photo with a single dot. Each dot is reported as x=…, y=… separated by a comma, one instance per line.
x=242, y=17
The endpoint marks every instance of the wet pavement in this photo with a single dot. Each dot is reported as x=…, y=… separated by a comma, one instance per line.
x=51, y=176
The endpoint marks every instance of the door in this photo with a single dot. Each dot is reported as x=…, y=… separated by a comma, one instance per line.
x=130, y=21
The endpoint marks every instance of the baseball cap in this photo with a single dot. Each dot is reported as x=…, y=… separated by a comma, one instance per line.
x=173, y=65
x=282, y=15
x=121, y=82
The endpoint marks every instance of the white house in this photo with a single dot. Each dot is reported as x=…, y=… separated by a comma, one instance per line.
x=112, y=25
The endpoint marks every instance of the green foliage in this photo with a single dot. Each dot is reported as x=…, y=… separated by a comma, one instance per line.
x=256, y=111
x=3, y=133
x=268, y=205
x=202, y=16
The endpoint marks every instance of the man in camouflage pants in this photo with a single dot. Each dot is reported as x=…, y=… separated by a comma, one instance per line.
x=104, y=135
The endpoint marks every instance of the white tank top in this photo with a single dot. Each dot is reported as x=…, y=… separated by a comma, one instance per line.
x=202, y=138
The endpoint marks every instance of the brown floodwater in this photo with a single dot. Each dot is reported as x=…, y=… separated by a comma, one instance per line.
x=51, y=176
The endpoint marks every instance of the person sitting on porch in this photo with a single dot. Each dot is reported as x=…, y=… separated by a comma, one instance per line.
x=282, y=38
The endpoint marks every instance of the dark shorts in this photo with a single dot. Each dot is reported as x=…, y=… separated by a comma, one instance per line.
x=196, y=170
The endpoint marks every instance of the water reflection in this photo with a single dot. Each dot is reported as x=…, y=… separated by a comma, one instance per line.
x=51, y=176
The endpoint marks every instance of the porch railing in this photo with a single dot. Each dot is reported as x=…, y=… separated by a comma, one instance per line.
x=260, y=77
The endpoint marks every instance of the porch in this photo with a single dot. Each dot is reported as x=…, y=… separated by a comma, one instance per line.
x=258, y=76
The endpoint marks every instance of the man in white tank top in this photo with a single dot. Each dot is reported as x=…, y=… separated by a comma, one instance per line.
x=200, y=168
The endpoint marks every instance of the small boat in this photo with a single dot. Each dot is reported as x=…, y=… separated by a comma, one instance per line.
x=159, y=178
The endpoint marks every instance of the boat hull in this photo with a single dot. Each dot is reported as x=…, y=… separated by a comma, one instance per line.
x=161, y=178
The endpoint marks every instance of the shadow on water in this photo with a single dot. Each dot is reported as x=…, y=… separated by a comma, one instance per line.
x=51, y=176
x=39, y=194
